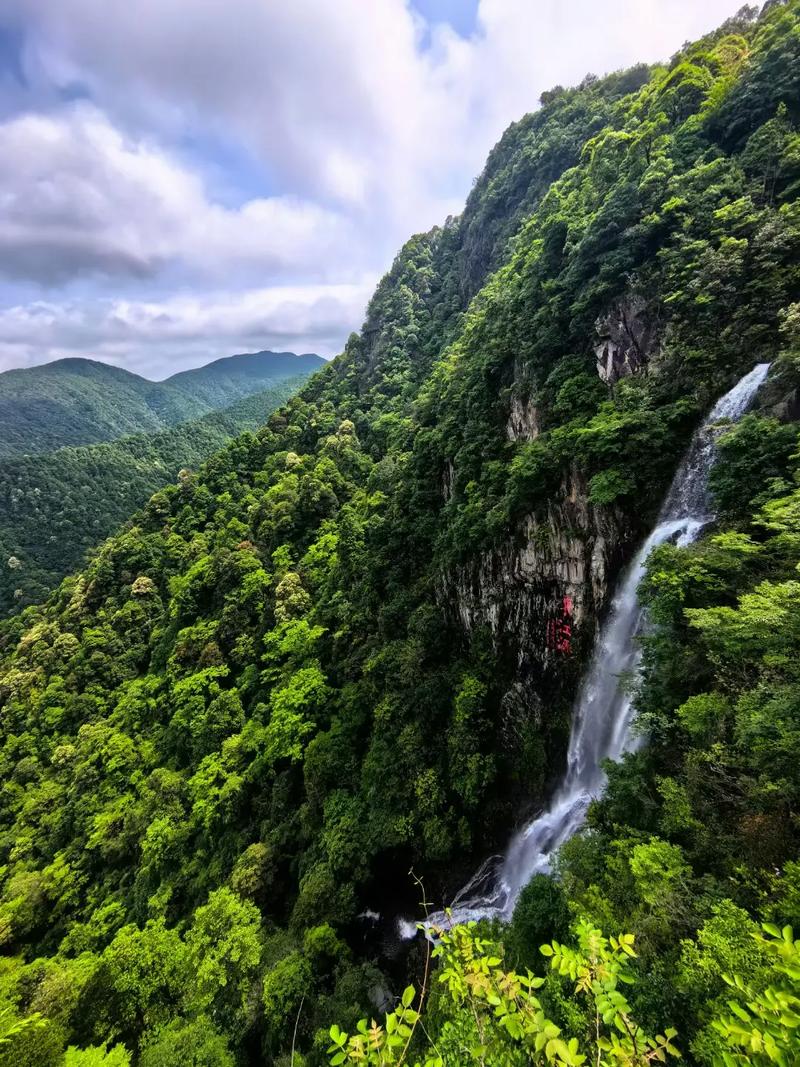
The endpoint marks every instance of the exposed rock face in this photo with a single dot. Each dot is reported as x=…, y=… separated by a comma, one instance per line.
x=542, y=595
x=779, y=396
x=448, y=480
x=627, y=339
x=524, y=421
x=788, y=409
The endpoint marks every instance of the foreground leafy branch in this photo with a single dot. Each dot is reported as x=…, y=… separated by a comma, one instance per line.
x=490, y=1016
x=764, y=1027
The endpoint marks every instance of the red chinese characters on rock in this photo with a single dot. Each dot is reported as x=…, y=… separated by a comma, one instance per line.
x=559, y=630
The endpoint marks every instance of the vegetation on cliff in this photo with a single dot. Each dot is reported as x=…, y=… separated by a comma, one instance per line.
x=55, y=506
x=258, y=706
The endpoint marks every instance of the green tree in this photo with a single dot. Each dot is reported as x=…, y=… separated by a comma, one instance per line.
x=224, y=948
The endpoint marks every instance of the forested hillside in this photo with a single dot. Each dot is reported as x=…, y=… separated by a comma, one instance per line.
x=82, y=401
x=77, y=401
x=57, y=505
x=348, y=645
x=233, y=377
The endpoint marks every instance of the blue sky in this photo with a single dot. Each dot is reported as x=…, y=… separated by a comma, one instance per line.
x=461, y=15
x=185, y=179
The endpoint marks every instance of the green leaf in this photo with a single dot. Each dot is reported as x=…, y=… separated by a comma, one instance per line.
x=737, y=1009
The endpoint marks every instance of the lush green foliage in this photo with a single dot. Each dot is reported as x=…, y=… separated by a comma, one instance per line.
x=80, y=401
x=55, y=506
x=486, y=1015
x=76, y=401
x=696, y=830
x=270, y=694
x=489, y=1016
x=220, y=383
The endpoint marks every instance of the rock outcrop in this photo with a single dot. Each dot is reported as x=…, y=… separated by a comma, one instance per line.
x=627, y=339
x=524, y=420
x=542, y=594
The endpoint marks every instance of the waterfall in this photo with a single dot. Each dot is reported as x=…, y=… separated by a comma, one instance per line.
x=603, y=715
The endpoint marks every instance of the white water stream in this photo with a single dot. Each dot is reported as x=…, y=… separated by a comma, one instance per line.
x=603, y=715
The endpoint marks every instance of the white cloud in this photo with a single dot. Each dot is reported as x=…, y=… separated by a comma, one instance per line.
x=340, y=98
x=370, y=124
x=77, y=196
x=157, y=338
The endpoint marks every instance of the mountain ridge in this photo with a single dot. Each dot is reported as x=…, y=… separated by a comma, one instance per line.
x=76, y=400
x=78, y=495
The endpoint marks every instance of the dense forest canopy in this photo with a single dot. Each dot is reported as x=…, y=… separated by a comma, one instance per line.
x=55, y=506
x=233, y=377
x=323, y=659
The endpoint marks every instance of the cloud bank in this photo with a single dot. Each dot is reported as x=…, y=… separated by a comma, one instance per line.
x=182, y=178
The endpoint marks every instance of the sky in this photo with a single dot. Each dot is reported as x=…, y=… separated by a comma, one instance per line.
x=185, y=179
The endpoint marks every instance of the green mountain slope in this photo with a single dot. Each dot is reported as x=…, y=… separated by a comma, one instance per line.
x=82, y=401
x=233, y=377
x=54, y=507
x=76, y=401
x=327, y=657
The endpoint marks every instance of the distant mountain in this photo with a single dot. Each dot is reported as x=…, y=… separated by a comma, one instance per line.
x=83, y=401
x=78, y=401
x=57, y=505
x=224, y=380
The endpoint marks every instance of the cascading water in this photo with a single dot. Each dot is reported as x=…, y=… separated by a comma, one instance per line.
x=603, y=716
